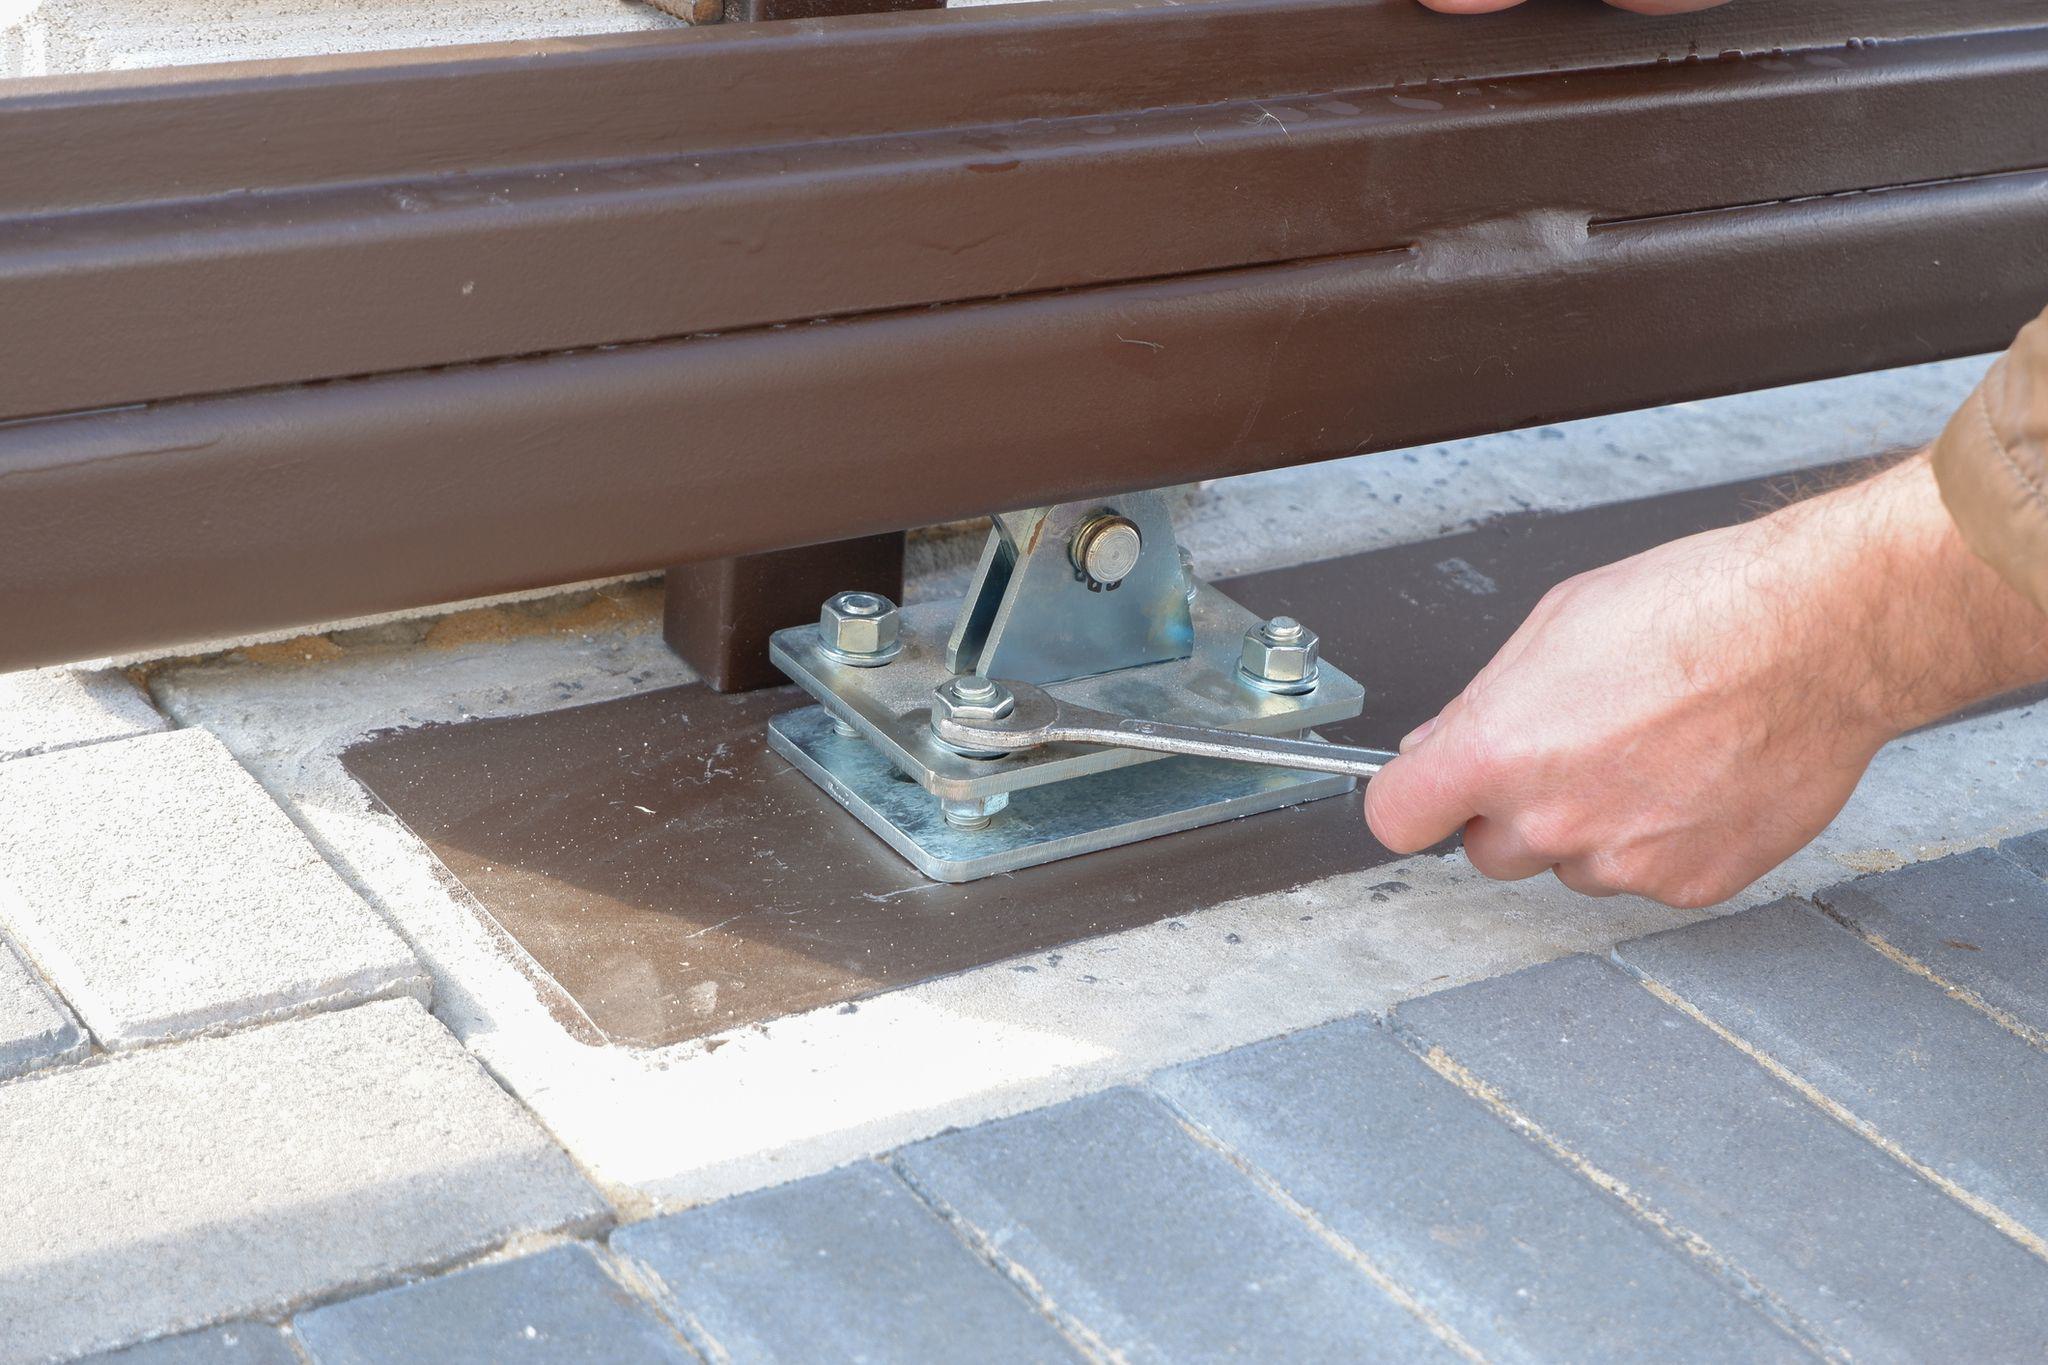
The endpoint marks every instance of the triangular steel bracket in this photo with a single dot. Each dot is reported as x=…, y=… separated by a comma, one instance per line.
x=1034, y=616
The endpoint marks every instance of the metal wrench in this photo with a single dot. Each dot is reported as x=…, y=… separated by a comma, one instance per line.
x=1036, y=718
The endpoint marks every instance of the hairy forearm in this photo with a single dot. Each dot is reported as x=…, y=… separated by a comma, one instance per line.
x=1887, y=576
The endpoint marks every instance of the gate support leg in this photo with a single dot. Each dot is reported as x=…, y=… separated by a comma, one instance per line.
x=719, y=614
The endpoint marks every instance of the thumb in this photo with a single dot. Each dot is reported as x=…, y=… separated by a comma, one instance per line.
x=1422, y=797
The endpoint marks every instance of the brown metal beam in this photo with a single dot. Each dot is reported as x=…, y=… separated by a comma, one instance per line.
x=179, y=521
x=176, y=293
x=718, y=614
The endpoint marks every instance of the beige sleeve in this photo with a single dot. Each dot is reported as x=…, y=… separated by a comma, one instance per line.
x=1992, y=465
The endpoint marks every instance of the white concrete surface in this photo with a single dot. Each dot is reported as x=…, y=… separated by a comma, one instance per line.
x=244, y=1176
x=679, y=1125
x=60, y=37
x=35, y=1029
x=47, y=709
x=164, y=894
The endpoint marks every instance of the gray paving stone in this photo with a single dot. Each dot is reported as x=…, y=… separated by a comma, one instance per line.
x=1869, y=1257
x=1949, y=1087
x=844, y=1266
x=1155, y=1244
x=238, y=1343
x=35, y=1029
x=239, y=1176
x=164, y=893
x=2029, y=851
x=1499, y=1239
x=558, y=1306
x=48, y=709
x=1978, y=919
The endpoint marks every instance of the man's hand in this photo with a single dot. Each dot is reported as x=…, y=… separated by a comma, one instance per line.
x=1678, y=724
x=1636, y=6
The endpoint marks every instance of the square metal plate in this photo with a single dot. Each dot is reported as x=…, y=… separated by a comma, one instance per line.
x=1042, y=824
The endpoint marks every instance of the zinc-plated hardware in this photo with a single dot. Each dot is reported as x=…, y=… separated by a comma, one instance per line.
x=1106, y=549
x=860, y=628
x=1037, y=718
x=973, y=812
x=972, y=700
x=1281, y=655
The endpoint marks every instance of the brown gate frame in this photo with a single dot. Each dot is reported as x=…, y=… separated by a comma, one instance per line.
x=292, y=341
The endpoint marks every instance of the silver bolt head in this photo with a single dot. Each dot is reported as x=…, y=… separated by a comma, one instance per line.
x=861, y=625
x=971, y=698
x=1281, y=651
x=1106, y=548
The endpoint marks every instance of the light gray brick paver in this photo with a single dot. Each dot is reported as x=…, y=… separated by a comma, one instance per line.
x=35, y=1029
x=1868, y=1256
x=239, y=1176
x=1156, y=1244
x=165, y=893
x=1499, y=1239
x=558, y=1306
x=843, y=1266
x=2029, y=851
x=237, y=1343
x=1949, y=1087
x=1977, y=919
x=48, y=709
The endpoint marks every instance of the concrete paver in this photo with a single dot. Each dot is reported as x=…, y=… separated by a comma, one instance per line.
x=237, y=1343
x=1978, y=920
x=164, y=893
x=1936, y=1079
x=241, y=1176
x=47, y=709
x=1155, y=1246
x=2029, y=851
x=558, y=1306
x=35, y=1030
x=842, y=1266
x=1870, y=1259
x=1526, y=1260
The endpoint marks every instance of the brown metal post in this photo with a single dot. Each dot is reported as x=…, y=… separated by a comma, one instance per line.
x=719, y=614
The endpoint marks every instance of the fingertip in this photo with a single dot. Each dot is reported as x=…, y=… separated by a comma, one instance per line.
x=1469, y=6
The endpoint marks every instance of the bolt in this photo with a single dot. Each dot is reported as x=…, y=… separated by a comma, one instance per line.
x=861, y=628
x=845, y=727
x=1106, y=548
x=1280, y=655
x=972, y=697
x=973, y=812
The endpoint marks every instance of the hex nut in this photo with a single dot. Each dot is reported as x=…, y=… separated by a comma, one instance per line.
x=1281, y=655
x=861, y=628
x=971, y=698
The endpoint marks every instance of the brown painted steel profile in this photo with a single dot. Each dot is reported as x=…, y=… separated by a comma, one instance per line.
x=367, y=333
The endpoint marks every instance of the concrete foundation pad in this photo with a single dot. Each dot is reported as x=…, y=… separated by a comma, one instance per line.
x=679, y=1125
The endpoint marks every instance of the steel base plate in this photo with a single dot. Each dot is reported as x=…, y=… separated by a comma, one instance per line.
x=1041, y=824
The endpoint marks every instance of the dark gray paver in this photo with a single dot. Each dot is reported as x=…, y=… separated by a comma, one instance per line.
x=1871, y=1258
x=238, y=1343
x=1949, y=1087
x=35, y=1031
x=2029, y=851
x=1156, y=1244
x=556, y=1306
x=1978, y=919
x=1500, y=1239
x=846, y=1266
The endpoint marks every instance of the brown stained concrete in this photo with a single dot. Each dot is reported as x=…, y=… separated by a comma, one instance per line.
x=677, y=880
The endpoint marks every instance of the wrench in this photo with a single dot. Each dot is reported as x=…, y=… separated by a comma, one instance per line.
x=1038, y=718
